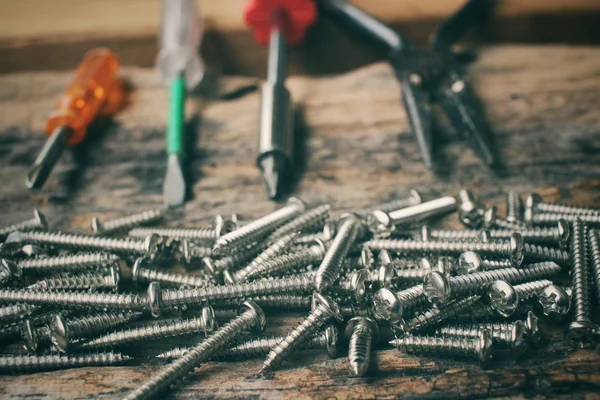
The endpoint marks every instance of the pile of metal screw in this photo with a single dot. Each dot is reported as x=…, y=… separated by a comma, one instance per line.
x=375, y=273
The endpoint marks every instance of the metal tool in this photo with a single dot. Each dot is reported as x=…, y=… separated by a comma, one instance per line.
x=94, y=90
x=277, y=23
x=434, y=75
x=180, y=65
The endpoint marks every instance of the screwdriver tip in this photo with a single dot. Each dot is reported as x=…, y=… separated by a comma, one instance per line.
x=174, y=184
x=273, y=169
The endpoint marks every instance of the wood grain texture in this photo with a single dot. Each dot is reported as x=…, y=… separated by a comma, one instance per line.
x=542, y=103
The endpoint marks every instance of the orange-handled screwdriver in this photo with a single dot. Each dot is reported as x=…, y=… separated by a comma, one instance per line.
x=94, y=90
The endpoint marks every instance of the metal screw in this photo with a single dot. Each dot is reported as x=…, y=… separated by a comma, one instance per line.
x=109, y=279
x=594, y=259
x=593, y=220
x=554, y=302
x=37, y=222
x=28, y=364
x=479, y=348
x=437, y=316
x=148, y=247
x=215, y=267
x=535, y=205
x=470, y=212
x=508, y=335
x=255, y=230
x=354, y=287
x=291, y=262
x=8, y=271
x=383, y=223
x=16, y=312
x=35, y=337
x=71, y=263
x=440, y=289
x=505, y=298
x=533, y=253
x=325, y=310
x=292, y=285
x=277, y=247
x=271, y=302
x=65, y=332
x=140, y=273
x=582, y=328
x=361, y=332
x=163, y=329
x=388, y=306
x=250, y=317
x=514, y=207
x=309, y=221
x=329, y=269
x=511, y=249
x=412, y=200
x=193, y=234
x=123, y=223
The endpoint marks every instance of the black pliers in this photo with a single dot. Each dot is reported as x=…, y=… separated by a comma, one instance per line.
x=428, y=76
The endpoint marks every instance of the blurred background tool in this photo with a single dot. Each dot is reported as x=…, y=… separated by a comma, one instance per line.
x=95, y=90
x=180, y=65
x=433, y=75
x=277, y=23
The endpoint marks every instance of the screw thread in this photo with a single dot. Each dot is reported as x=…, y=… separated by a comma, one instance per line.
x=477, y=281
x=594, y=257
x=539, y=253
x=14, y=364
x=436, y=316
x=488, y=265
x=239, y=257
x=514, y=226
x=130, y=221
x=271, y=302
x=28, y=225
x=410, y=277
x=551, y=219
x=277, y=247
x=71, y=263
x=299, y=335
x=514, y=207
x=580, y=298
x=412, y=298
x=389, y=206
x=194, y=234
x=93, y=324
x=330, y=268
x=463, y=347
x=291, y=261
x=309, y=221
x=199, y=353
x=359, y=349
x=69, y=240
x=528, y=291
x=5, y=276
x=308, y=238
x=256, y=229
x=554, y=208
x=75, y=282
x=297, y=284
x=17, y=312
x=158, y=330
x=124, y=301
x=171, y=278
x=501, y=333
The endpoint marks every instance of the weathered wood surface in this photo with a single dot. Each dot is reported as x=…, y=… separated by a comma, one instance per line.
x=542, y=102
x=41, y=35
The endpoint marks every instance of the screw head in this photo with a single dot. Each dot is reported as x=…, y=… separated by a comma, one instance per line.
x=332, y=340
x=425, y=233
x=151, y=244
x=367, y=259
x=533, y=329
x=115, y=276
x=59, y=333
x=470, y=213
x=416, y=195
x=135, y=271
x=379, y=223
x=436, y=288
x=11, y=267
x=530, y=203
x=321, y=300
x=224, y=228
x=384, y=258
x=96, y=225
x=260, y=321
x=358, y=284
x=386, y=306
x=518, y=336
x=228, y=277
x=564, y=233
x=30, y=336
x=385, y=275
x=41, y=219
x=444, y=266
x=583, y=333
x=296, y=200
x=468, y=263
x=207, y=314
x=329, y=231
x=503, y=298
x=32, y=250
x=554, y=301
x=356, y=321
x=517, y=249
x=424, y=263
x=485, y=346
x=154, y=298
x=489, y=217
x=485, y=236
x=319, y=244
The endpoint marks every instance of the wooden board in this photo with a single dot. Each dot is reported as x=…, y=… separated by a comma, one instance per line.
x=41, y=35
x=542, y=103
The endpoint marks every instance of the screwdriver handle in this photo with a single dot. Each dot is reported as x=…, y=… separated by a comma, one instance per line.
x=176, y=116
x=84, y=98
x=296, y=16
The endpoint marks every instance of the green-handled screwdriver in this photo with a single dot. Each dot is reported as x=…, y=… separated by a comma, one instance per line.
x=182, y=69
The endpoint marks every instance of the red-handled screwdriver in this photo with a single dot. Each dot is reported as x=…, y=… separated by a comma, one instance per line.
x=276, y=22
x=95, y=90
